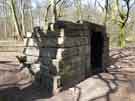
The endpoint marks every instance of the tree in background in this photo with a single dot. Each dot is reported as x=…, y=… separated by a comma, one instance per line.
x=15, y=12
x=12, y=4
x=123, y=12
x=117, y=12
x=22, y=6
x=52, y=6
x=78, y=5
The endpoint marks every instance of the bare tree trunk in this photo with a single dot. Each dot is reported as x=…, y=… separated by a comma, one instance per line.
x=54, y=14
x=13, y=9
x=31, y=17
x=122, y=37
x=78, y=4
x=22, y=17
x=124, y=15
x=106, y=11
x=5, y=20
x=46, y=18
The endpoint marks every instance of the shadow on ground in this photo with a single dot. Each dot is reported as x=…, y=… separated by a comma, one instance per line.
x=14, y=88
x=121, y=71
x=31, y=93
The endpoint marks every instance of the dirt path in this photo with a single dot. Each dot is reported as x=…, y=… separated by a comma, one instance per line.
x=116, y=85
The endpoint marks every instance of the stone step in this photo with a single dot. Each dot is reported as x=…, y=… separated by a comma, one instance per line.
x=11, y=43
x=11, y=46
x=11, y=49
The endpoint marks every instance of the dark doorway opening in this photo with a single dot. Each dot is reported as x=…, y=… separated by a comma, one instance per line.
x=96, y=52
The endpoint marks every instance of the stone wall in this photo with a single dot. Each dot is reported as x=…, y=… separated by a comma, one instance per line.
x=99, y=28
x=63, y=55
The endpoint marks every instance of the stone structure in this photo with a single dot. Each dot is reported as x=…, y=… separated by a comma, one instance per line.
x=69, y=54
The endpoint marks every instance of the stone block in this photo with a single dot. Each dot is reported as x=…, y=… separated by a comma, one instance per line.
x=45, y=60
x=45, y=42
x=69, y=64
x=72, y=75
x=75, y=33
x=68, y=25
x=36, y=67
x=56, y=42
x=69, y=52
x=29, y=42
x=32, y=59
x=48, y=52
x=84, y=50
x=56, y=84
x=52, y=53
x=29, y=34
x=32, y=51
x=40, y=52
x=64, y=66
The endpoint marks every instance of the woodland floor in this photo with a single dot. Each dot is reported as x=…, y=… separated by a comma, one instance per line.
x=116, y=85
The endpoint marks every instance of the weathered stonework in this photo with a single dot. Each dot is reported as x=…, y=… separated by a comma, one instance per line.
x=64, y=55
